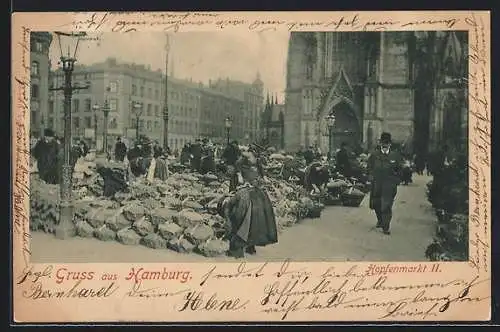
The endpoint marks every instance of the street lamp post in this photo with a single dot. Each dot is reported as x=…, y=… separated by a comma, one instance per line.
x=330, y=121
x=137, y=111
x=105, y=110
x=66, y=227
x=95, y=127
x=228, y=125
x=165, y=107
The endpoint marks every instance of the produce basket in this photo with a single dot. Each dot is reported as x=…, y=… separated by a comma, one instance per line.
x=331, y=200
x=315, y=211
x=352, y=197
x=336, y=187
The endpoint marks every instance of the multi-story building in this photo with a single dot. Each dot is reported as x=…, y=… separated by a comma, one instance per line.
x=407, y=83
x=194, y=109
x=121, y=85
x=40, y=67
x=215, y=108
x=185, y=100
x=252, y=96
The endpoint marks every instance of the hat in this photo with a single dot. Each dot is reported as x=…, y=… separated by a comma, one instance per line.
x=385, y=138
x=48, y=132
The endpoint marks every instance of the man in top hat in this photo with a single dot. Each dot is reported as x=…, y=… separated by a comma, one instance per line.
x=385, y=169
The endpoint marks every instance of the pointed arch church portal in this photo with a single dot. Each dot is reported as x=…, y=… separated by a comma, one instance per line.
x=346, y=128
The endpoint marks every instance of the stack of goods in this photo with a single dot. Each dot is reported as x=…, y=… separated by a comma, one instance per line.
x=44, y=205
x=448, y=194
x=179, y=214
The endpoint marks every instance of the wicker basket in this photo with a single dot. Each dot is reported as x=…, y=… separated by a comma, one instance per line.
x=352, y=197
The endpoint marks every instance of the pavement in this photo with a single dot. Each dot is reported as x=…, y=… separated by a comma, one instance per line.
x=341, y=234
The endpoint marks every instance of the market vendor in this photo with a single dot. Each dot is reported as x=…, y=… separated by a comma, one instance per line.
x=230, y=156
x=158, y=167
x=384, y=165
x=249, y=211
x=309, y=155
x=196, y=154
x=46, y=152
x=249, y=165
x=342, y=158
x=134, y=157
x=316, y=177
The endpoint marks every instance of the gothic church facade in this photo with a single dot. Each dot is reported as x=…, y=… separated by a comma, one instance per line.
x=374, y=82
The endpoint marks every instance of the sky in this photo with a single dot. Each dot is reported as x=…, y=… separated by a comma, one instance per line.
x=198, y=55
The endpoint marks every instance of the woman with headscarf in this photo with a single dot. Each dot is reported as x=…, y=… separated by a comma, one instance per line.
x=158, y=168
x=249, y=211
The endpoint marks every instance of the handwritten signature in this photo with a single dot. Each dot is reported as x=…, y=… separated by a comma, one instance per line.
x=176, y=21
x=294, y=296
x=21, y=190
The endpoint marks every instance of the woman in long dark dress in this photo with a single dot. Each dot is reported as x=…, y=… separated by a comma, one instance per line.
x=249, y=211
x=161, y=167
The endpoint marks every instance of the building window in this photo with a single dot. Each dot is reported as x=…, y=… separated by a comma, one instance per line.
x=35, y=91
x=76, y=123
x=150, y=93
x=88, y=105
x=141, y=124
x=35, y=68
x=157, y=125
x=113, y=87
x=149, y=111
x=134, y=90
x=142, y=91
x=76, y=105
x=113, y=105
x=51, y=107
x=156, y=94
x=38, y=47
x=88, y=122
x=51, y=123
x=149, y=125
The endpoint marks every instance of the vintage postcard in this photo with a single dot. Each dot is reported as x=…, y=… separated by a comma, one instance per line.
x=251, y=166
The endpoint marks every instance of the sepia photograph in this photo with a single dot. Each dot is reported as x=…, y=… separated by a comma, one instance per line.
x=342, y=146
x=251, y=167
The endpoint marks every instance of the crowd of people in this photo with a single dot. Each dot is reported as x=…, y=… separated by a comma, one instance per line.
x=247, y=206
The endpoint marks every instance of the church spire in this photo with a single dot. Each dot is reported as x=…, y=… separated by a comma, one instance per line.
x=267, y=99
x=276, y=100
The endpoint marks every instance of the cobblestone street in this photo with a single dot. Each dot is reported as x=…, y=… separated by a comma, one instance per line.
x=341, y=234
